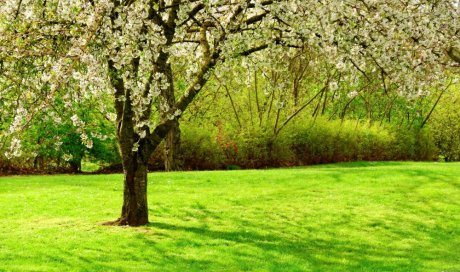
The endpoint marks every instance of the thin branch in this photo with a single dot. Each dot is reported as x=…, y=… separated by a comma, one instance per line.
x=299, y=110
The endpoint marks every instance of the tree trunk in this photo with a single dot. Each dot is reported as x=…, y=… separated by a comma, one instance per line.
x=172, y=146
x=135, y=149
x=135, y=209
x=76, y=165
x=172, y=139
x=135, y=153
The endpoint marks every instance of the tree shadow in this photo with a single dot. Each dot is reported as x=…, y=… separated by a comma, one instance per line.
x=330, y=252
x=358, y=164
x=322, y=249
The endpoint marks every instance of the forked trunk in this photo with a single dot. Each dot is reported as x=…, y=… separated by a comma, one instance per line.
x=135, y=167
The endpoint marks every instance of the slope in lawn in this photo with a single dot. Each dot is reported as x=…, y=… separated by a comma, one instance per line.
x=344, y=217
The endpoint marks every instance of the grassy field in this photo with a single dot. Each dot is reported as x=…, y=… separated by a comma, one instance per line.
x=343, y=217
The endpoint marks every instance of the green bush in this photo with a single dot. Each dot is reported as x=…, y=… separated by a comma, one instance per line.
x=413, y=144
x=302, y=142
x=445, y=124
x=260, y=149
x=326, y=141
x=199, y=149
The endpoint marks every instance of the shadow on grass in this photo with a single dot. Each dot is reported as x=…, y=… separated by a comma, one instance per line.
x=156, y=259
x=359, y=164
x=268, y=228
x=326, y=247
x=316, y=254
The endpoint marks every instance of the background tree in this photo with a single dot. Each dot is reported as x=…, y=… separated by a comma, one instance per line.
x=127, y=48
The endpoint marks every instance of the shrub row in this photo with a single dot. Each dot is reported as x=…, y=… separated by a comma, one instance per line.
x=302, y=143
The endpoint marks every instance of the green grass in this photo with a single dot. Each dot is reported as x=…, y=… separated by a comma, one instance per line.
x=343, y=217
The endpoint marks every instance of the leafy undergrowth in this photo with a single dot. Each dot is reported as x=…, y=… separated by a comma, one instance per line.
x=342, y=217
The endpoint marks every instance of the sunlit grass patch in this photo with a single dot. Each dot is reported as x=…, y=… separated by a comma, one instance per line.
x=342, y=217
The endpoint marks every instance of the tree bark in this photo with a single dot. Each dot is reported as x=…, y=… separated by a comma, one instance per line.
x=135, y=209
x=76, y=165
x=172, y=140
x=135, y=161
x=172, y=146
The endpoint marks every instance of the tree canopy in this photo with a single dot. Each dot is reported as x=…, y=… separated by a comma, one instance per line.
x=75, y=51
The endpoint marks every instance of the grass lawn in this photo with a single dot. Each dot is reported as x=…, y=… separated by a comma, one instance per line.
x=342, y=217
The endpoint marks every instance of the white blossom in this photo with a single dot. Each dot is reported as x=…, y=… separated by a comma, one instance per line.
x=352, y=94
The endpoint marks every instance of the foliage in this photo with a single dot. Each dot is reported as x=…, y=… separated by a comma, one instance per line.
x=87, y=50
x=54, y=140
x=305, y=141
x=199, y=150
x=78, y=51
x=446, y=126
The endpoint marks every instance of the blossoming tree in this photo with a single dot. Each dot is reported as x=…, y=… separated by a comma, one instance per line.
x=128, y=49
